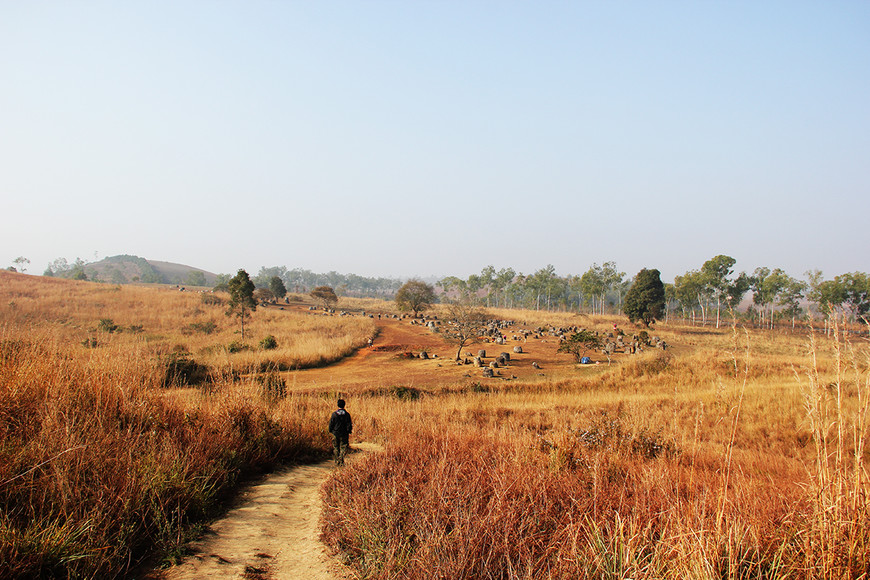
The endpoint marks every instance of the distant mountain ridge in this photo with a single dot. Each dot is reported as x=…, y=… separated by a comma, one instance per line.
x=128, y=269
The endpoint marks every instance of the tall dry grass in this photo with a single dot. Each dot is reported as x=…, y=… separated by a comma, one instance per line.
x=100, y=464
x=836, y=405
x=711, y=463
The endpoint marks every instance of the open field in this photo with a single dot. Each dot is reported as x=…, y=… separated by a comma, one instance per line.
x=733, y=453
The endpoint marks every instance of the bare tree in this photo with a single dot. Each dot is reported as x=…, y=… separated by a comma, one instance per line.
x=464, y=324
x=22, y=263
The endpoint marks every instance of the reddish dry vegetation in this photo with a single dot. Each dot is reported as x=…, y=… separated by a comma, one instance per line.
x=735, y=454
x=468, y=507
x=720, y=463
x=98, y=467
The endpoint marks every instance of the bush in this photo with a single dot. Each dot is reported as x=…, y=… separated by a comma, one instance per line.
x=269, y=343
x=108, y=325
x=237, y=346
x=212, y=299
x=181, y=369
x=203, y=327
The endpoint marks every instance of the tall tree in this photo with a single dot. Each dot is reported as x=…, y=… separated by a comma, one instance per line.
x=645, y=301
x=500, y=283
x=790, y=297
x=242, y=301
x=715, y=273
x=593, y=287
x=544, y=284
x=416, y=296
x=450, y=283
x=766, y=285
x=855, y=289
x=487, y=277
x=815, y=279
x=276, y=285
x=612, y=279
x=690, y=289
x=670, y=300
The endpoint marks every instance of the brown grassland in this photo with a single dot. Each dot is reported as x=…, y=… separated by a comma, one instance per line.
x=129, y=415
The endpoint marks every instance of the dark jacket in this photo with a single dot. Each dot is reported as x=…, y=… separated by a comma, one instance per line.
x=340, y=423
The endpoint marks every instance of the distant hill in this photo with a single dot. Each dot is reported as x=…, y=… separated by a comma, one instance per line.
x=180, y=274
x=126, y=269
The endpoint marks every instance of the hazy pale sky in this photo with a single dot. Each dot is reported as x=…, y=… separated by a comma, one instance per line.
x=433, y=138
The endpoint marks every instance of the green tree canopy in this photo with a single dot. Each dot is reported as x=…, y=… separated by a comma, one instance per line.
x=416, y=296
x=715, y=275
x=276, y=285
x=645, y=300
x=242, y=301
x=578, y=343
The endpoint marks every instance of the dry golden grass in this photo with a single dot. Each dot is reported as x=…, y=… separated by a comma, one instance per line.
x=162, y=321
x=100, y=463
x=703, y=463
x=734, y=454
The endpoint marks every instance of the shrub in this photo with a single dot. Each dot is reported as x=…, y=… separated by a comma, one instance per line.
x=269, y=343
x=405, y=393
x=237, y=346
x=207, y=327
x=181, y=369
x=108, y=325
x=211, y=299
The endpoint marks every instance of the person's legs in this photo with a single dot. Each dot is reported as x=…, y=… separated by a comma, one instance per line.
x=342, y=443
x=336, y=450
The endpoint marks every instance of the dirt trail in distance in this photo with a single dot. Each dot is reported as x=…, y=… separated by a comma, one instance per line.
x=273, y=532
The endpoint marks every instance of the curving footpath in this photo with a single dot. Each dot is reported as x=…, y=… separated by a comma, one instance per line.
x=273, y=534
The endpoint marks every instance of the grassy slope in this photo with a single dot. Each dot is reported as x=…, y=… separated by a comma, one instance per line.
x=98, y=465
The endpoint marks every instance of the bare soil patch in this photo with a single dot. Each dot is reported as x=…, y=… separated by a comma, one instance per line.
x=392, y=360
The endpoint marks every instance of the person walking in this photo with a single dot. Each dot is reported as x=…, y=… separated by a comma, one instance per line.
x=341, y=426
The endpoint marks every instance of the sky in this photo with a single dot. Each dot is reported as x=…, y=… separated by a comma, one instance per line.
x=434, y=138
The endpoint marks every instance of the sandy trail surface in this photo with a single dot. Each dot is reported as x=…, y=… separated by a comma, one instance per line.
x=272, y=533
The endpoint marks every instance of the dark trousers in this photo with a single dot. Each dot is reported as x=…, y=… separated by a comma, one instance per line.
x=339, y=448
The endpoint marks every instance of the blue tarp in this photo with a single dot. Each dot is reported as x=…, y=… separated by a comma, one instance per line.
x=585, y=360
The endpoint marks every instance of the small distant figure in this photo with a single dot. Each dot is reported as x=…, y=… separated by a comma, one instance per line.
x=371, y=342
x=341, y=426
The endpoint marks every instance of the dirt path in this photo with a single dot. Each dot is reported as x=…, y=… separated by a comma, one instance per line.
x=272, y=534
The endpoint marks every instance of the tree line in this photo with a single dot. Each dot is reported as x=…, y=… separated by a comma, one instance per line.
x=701, y=294
x=302, y=281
